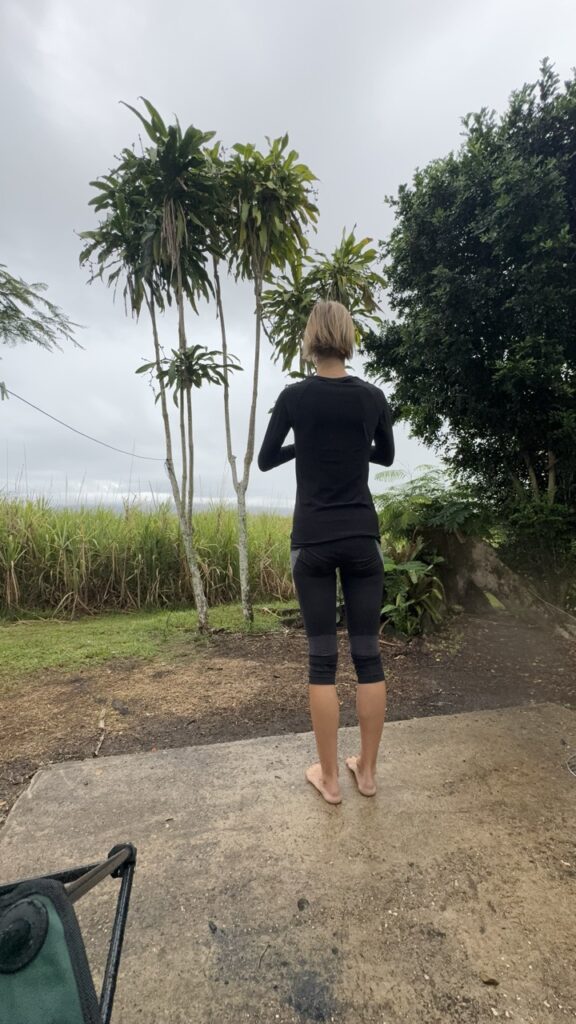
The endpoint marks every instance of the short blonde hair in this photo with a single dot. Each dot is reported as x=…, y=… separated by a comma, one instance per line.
x=329, y=333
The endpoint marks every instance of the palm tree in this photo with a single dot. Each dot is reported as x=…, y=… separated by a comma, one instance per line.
x=286, y=307
x=157, y=236
x=346, y=276
x=268, y=204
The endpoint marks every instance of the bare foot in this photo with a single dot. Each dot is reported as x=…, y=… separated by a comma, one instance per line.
x=331, y=794
x=364, y=780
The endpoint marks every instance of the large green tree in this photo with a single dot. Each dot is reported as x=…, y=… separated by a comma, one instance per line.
x=481, y=271
x=481, y=350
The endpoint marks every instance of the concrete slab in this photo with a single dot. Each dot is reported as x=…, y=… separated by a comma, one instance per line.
x=450, y=897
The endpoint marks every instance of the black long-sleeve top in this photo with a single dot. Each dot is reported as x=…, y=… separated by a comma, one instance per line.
x=340, y=425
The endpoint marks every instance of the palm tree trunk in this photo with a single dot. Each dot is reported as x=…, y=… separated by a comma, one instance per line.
x=239, y=485
x=227, y=424
x=252, y=422
x=197, y=585
x=190, y=453
x=183, y=448
x=243, y=558
x=246, y=597
x=163, y=401
x=179, y=499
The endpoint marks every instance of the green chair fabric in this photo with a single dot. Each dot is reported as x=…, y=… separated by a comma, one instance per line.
x=44, y=973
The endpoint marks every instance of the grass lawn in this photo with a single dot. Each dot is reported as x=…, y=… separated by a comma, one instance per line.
x=31, y=645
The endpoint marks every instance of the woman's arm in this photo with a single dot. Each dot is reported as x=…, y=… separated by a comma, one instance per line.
x=382, y=451
x=272, y=453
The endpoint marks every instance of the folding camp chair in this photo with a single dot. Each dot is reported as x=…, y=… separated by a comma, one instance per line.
x=44, y=973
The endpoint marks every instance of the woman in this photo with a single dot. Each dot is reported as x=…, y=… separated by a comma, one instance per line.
x=340, y=425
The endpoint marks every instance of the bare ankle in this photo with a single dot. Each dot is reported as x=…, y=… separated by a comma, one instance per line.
x=330, y=781
x=366, y=769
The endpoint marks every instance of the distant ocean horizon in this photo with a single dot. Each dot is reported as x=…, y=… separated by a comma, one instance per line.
x=147, y=500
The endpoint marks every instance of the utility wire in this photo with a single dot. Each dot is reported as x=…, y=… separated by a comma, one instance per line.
x=132, y=455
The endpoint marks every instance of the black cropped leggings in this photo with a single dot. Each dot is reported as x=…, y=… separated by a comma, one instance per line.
x=359, y=560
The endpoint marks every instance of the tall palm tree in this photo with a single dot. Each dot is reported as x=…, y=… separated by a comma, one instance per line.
x=268, y=206
x=157, y=235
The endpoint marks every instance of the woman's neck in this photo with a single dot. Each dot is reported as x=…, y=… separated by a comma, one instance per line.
x=330, y=368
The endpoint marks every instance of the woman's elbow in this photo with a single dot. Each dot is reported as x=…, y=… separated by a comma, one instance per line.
x=385, y=458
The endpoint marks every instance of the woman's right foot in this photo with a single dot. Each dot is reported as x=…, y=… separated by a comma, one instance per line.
x=364, y=780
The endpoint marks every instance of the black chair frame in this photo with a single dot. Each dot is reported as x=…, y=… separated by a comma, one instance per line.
x=120, y=863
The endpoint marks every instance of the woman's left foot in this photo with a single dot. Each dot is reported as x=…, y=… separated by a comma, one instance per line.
x=331, y=793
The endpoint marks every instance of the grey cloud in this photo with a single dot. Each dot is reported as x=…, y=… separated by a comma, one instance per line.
x=367, y=92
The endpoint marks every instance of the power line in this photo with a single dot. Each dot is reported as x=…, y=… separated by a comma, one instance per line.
x=132, y=455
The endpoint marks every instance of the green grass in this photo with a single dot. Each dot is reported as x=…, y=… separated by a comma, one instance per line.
x=32, y=645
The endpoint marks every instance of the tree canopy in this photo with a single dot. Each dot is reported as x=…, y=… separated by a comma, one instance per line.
x=347, y=275
x=481, y=272
x=159, y=211
x=270, y=206
x=172, y=212
x=26, y=315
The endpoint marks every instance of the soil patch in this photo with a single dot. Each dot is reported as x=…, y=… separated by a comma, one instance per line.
x=237, y=687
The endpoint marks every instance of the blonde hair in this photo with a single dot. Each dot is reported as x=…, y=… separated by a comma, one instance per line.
x=329, y=333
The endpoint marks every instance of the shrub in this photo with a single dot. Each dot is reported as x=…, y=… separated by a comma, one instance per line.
x=432, y=500
x=415, y=600
x=539, y=540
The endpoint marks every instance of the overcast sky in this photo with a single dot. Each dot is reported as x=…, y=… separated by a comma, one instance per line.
x=367, y=91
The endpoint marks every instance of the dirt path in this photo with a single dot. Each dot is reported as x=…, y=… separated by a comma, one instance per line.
x=235, y=687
